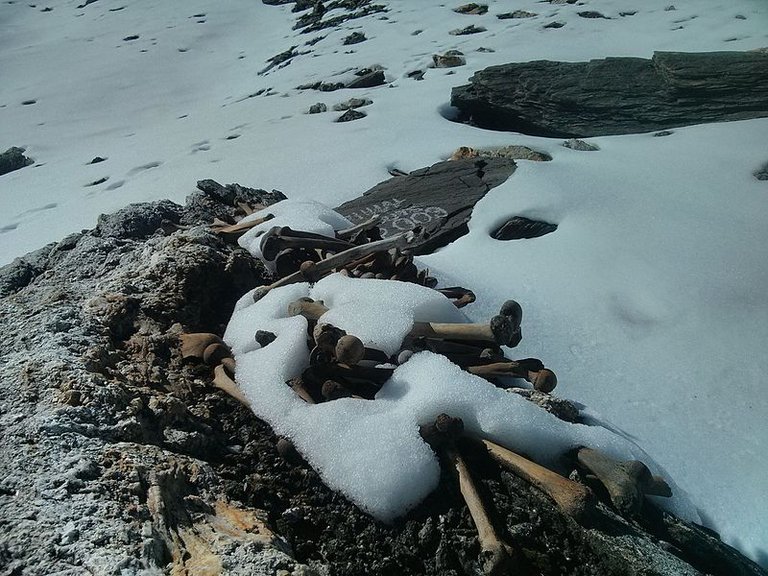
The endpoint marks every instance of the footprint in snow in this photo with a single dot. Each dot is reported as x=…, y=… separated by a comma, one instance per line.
x=143, y=167
x=115, y=185
x=9, y=227
x=202, y=146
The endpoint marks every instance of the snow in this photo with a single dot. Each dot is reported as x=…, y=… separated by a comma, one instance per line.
x=649, y=301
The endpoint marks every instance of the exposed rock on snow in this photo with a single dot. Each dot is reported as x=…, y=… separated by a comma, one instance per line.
x=516, y=14
x=352, y=103
x=581, y=145
x=449, y=59
x=13, y=159
x=318, y=108
x=762, y=172
x=571, y=98
x=351, y=115
x=519, y=227
x=439, y=198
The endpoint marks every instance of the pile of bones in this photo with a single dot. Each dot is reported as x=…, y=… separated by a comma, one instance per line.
x=354, y=343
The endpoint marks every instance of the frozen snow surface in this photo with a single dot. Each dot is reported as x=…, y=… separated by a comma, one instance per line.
x=650, y=299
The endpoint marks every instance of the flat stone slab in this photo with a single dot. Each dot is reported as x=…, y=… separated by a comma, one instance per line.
x=439, y=199
x=617, y=95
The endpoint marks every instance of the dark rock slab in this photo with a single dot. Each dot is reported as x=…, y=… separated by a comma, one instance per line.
x=351, y=115
x=368, y=80
x=13, y=159
x=439, y=198
x=617, y=95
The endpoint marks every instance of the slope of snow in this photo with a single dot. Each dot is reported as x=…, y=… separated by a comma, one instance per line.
x=648, y=301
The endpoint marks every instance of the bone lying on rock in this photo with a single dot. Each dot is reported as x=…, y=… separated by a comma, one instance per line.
x=222, y=381
x=237, y=230
x=312, y=272
x=497, y=557
x=349, y=233
x=279, y=238
x=627, y=482
x=572, y=498
x=193, y=345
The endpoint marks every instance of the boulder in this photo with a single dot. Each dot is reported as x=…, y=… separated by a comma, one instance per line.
x=13, y=159
x=617, y=95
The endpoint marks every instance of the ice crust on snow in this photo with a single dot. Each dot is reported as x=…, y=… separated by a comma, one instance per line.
x=371, y=450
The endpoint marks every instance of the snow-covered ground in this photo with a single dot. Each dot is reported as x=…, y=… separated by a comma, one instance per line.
x=649, y=301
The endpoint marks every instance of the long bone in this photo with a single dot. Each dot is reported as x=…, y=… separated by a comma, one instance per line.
x=499, y=557
x=280, y=238
x=572, y=498
x=543, y=379
x=500, y=330
x=313, y=272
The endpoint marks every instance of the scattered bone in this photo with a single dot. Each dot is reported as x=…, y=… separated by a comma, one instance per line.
x=237, y=230
x=497, y=557
x=222, y=381
x=348, y=233
x=279, y=238
x=460, y=296
x=573, y=498
x=626, y=481
x=349, y=350
x=312, y=272
x=543, y=380
x=215, y=353
x=193, y=345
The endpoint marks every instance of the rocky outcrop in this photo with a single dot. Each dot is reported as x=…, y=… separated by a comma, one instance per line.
x=13, y=159
x=617, y=95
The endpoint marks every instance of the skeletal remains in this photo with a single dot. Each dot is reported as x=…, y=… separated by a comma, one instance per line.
x=342, y=367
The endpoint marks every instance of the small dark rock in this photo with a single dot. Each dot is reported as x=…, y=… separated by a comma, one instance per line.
x=231, y=194
x=369, y=80
x=354, y=38
x=350, y=115
x=352, y=103
x=13, y=159
x=131, y=37
x=96, y=160
x=580, y=145
x=318, y=108
x=664, y=133
x=517, y=228
x=670, y=8
x=592, y=14
x=516, y=14
x=472, y=8
x=28, y=102
x=630, y=13
x=416, y=74
x=471, y=29
x=450, y=59
x=554, y=25
x=762, y=172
